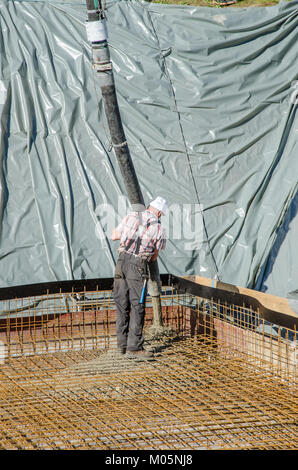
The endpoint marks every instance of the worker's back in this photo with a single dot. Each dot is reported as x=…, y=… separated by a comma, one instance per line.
x=141, y=234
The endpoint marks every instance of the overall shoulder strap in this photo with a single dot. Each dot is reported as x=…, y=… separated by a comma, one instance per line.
x=131, y=241
x=139, y=240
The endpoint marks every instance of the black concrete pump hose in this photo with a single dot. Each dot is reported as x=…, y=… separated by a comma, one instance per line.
x=97, y=35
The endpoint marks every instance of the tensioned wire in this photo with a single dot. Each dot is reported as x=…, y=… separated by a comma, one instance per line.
x=103, y=5
x=146, y=8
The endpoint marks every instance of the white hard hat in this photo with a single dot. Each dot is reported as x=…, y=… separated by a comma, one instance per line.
x=160, y=204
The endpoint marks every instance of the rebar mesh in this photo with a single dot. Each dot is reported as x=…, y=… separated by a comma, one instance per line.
x=221, y=377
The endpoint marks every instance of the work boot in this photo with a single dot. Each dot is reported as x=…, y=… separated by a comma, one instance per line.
x=121, y=351
x=140, y=354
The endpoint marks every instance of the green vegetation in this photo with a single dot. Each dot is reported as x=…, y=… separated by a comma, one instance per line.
x=211, y=3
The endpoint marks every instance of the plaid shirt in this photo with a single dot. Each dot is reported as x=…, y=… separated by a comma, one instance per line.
x=152, y=235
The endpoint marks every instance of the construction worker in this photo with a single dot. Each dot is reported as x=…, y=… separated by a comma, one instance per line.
x=141, y=238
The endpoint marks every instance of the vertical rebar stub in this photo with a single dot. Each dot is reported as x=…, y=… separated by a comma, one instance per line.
x=3, y=352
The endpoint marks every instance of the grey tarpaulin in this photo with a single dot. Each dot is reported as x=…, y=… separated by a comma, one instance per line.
x=208, y=99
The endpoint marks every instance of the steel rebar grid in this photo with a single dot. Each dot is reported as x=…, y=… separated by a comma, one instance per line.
x=214, y=384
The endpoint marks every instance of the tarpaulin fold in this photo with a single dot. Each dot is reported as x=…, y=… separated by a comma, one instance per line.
x=208, y=99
